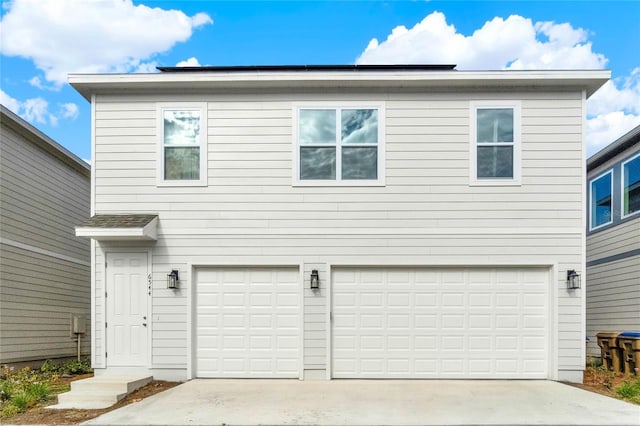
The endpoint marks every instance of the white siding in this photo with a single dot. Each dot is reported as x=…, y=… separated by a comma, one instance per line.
x=425, y=215
x=44, y=272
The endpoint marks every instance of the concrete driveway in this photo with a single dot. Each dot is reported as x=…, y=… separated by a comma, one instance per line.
x=374, y=402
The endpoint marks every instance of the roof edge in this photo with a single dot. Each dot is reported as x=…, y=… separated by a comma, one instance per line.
x=27, y=129
x=391, y=78
x=355, y=67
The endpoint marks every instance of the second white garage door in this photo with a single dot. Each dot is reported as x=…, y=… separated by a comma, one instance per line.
x=247, y=322
x=440, y=322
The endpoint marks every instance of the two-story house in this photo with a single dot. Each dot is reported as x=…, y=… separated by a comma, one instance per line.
x=338, y=222
x=613, y=238
x=44, y=268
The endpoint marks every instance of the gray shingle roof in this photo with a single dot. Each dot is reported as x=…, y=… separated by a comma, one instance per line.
x=118, y=221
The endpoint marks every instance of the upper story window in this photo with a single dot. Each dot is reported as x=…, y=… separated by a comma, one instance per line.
x=601, y=189
x=631, y=186
x=339, y=146
x=183, y=148
x=495, y=143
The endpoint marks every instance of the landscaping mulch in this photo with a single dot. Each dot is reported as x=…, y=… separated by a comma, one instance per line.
x=43, y=416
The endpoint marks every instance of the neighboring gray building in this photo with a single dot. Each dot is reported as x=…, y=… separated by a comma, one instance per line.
x=613, y=238
x=439, y=211
x=44, y=267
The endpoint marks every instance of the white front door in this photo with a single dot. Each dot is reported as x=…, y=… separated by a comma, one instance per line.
x=126, y=300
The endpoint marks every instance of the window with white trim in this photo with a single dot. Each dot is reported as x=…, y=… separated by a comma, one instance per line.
x=631, y=186
x=495, y=143
x=600, y=205
x=182, y=159
x=339, y=146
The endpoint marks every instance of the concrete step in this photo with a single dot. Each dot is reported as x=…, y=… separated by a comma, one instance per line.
x=124, y=384
x=90, y=399
x=99, y=392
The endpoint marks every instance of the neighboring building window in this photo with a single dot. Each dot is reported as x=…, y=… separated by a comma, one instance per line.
x=495, y=143
x=631, y=186
x=601, y=190
x=183, y=151
x=339, y=145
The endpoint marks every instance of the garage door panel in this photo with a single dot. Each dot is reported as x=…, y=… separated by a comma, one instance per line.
x=254, y=331
x=440, y=322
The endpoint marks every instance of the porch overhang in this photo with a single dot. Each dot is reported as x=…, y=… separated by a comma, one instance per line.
x=120, y=227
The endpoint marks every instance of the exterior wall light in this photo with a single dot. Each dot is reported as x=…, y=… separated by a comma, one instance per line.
x=573, y=279
x=172, y=279
x=315, y=280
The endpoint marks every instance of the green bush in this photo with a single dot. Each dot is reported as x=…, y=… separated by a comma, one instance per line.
x=22, y=401
x=629, y=389
x=8, y=410
x=6, y=390
x=24, y=388
x=49, y=367
x=40, y=391
x=76, y=367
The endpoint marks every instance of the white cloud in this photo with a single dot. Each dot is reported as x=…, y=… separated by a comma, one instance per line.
x=36, y=82
x=618, y=94
x=11, y=103
x=606, y=128
x=36, y=110
x=69, y=110
x=191, y=62
x=512, y=43
x=63, y=36
x=613, y=111
x=517, y=43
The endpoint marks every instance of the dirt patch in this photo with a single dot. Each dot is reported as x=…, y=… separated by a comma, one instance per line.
x=44, y=416
x=604, y=382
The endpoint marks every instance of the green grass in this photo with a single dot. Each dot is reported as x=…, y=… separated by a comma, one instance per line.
x=629, y=389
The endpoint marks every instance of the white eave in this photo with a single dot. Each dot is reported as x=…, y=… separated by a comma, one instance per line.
x=589, y=80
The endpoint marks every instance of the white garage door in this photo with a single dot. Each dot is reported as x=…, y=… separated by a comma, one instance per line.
x=247, y=322
x=440, y=323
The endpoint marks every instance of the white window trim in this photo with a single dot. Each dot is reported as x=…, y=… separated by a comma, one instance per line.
x=474, y=106
x=380, y=106
x=622, y=215
x=194, y=106
x=601, y=175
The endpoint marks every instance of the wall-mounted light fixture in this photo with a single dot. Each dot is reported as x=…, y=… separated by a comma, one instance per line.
x=315, y=280
x=573, y=279
x=172, y=279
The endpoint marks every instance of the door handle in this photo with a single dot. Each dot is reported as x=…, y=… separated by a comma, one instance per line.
x=144, y=324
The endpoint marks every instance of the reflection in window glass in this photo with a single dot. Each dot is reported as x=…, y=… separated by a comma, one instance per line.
x=350, y=155
x=360, y=163
x=181, y=127
x=317, y=126
x=495, y=125
x=495, y=162
x=359, y=126
x=181, y=163
x=495, y=143
x=631, y=186
x=601, y=201
x=317, y=163
x=181, y=144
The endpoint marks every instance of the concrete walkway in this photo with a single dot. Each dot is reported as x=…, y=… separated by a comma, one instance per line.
x=374, y=402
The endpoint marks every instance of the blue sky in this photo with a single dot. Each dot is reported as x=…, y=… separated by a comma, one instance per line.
x=43, y=40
